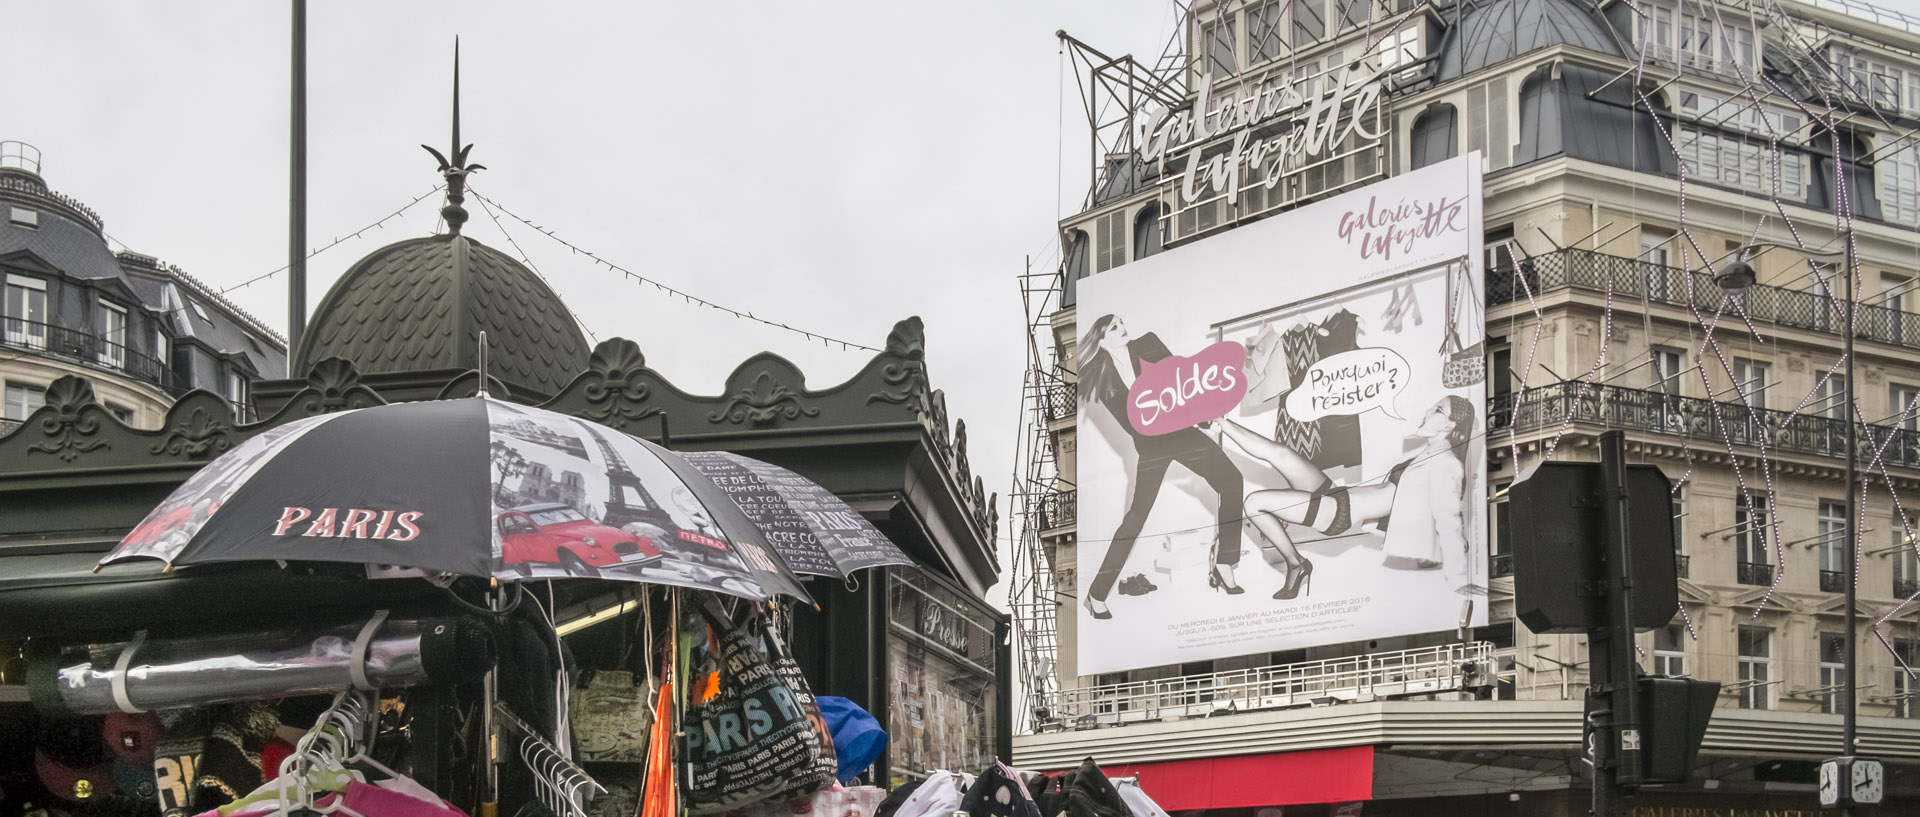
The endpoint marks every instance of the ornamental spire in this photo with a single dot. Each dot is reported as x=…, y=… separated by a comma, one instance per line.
x=456, y=170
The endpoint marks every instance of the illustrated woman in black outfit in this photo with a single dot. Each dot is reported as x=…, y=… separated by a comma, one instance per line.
x=1109, y=362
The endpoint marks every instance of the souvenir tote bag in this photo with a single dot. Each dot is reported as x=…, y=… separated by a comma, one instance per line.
x=756, y=738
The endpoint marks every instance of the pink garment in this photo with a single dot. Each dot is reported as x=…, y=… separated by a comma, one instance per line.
x=374, y=801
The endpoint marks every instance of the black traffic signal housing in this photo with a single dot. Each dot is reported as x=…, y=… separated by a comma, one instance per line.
x=1674, y=713
x=1558, y=540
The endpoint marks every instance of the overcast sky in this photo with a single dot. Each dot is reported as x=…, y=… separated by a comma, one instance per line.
x=835, y=166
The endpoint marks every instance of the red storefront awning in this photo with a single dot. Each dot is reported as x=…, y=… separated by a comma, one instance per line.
x=1286, y=778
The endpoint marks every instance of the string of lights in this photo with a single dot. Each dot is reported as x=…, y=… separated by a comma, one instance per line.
x=825, y=340
x=524, y=259
x=339, y=240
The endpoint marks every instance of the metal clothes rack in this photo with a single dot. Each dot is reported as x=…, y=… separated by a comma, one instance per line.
x=562, y=785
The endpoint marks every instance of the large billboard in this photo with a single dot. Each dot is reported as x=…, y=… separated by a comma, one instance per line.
x=1282, y=431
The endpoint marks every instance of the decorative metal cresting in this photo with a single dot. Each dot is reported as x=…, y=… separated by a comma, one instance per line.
x=455, y=169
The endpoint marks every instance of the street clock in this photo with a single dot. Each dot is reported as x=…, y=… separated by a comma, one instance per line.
x=1852, y=781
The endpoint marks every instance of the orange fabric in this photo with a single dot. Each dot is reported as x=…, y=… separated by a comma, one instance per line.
x=709, y=687
x=658, y=799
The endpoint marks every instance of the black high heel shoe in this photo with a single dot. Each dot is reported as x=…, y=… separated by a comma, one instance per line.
x=1101, y=614
x=1299, y=580
x=1219, y=582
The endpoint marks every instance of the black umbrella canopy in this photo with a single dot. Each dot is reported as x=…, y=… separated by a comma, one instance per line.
x=475, y=487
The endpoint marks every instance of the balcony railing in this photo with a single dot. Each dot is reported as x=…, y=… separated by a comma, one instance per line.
x=1502, y=565
x=1681, y=562
x=86, y=349
x=1057, y=509
x=1906, y=588
x=7, y=427
x=1755, y=574
x=1550, y=406
x=1833, y=581
x=1425, y=671
x=1630, y=279
x=1058, y=397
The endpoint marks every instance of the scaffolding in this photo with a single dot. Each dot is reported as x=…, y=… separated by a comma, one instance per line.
x=1032, y=595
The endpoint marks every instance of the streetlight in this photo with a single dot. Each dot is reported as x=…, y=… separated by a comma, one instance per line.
x=1737, y=275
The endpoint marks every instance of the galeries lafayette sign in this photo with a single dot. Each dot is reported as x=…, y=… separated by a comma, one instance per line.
x=1324, y=111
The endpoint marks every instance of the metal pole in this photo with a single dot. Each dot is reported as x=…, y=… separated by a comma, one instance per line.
x=297, y=193
x=1616, y=764
x=1850, y=662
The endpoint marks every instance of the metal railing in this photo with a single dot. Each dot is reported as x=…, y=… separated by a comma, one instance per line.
x=1059, y=398
x=1630, y=279
x=7, y=427
x=1681, y=564
x=1058, y=509
x=1905, y=588
x=1428, y=670
x=1551, y=406
x=86, y=349
x=1832, y=581
x=1753, y=573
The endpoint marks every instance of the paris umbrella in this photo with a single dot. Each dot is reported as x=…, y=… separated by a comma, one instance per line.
x=812, y=531
x=473, y=487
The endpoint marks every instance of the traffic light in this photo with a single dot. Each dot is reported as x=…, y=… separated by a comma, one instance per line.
x=1559, y=583
x=1673, y=721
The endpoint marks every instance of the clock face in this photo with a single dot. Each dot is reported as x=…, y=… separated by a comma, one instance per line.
x=1829, y=783
x=1868, y=781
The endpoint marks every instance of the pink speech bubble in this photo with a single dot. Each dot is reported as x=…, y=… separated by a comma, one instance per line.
x=1182, y=392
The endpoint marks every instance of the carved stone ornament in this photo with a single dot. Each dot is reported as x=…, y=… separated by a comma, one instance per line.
x=906, y=375
x=766, y=403
x=614, y=393
x=66, y=421
x=334, y=385
x=203, y=433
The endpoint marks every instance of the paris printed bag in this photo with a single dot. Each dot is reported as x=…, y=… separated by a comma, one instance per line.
x=761, y=735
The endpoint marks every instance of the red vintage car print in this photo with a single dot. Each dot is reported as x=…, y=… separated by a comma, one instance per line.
x=555, y=534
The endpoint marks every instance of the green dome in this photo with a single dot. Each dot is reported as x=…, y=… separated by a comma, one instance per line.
x=421, y=304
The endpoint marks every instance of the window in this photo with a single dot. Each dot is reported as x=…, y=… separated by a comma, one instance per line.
x=1402, y=48
x=1830, y=397
x=1679, y=505
x=1657, y=267
x=1309, y=21
x=1872, y=80
x=1756, y=668
x=1906, y=564
x=1889, y=322
x=22, y=400
x=237, y=389
x=1112, y=229
x=121, y=413
x=113, y=334
x=23, y=217
x=1725, y=159
x=1905, y=651
x=1354, y=12
x=1502, y=539
x=1266, y=32
x=26, y=312
x=1146, y=231
x=1833, y=671
x=1664, y=377
x=1831, y=530
x=1216, y=38
x=160, y=351
x=1656, y=34
x=1898, y=174
x=1750, y=382
x=1670, y=650
x=1750, y=520
x=1487, y=123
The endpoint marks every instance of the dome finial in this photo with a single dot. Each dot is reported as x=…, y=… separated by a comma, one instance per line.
x=457, y=169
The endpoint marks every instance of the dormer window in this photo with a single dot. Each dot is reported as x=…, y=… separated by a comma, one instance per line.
x=199, y=310
x=25, y=311
x=112, y=326
x=23, y=217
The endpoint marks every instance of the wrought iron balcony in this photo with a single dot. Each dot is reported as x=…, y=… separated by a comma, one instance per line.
x=1057, y=509
x=93, y=351
x=1712, y=422
x=1906, y=588
x=1057, y=398
x=1630, y=279
x=7, y=427
x=1502, y=565
x=1833, y=581
x=1752, y=573
x=1681, y=562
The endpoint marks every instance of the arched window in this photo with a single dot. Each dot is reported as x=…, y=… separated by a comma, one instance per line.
x=1540, y=117
x=1435, y=136
x=1146, y=231
x=1074, y=267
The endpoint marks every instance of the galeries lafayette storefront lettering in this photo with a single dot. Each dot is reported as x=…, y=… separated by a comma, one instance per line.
x=1325, y=111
